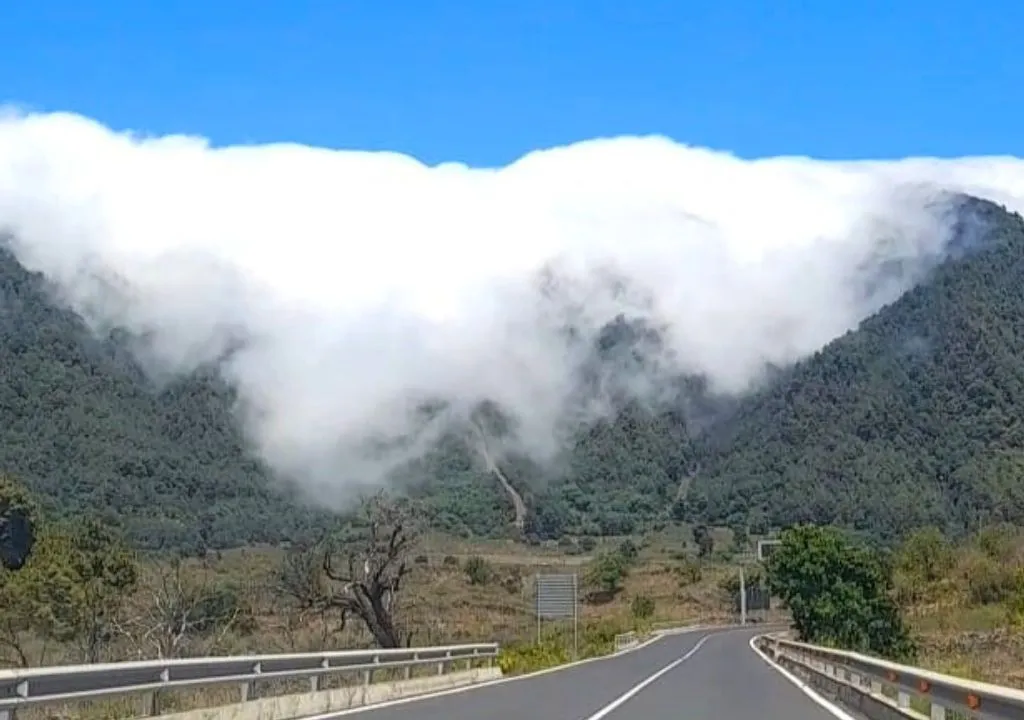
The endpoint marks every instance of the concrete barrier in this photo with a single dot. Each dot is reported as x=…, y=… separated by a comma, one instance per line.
x=288, y=707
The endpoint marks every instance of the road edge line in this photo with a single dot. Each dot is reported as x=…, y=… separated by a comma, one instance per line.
x=832, y=708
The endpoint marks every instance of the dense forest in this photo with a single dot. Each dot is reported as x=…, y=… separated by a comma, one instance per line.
x=916, y=417
x=82, y=426
x=912, y=418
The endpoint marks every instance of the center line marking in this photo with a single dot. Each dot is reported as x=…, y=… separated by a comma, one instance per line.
x=617, y=702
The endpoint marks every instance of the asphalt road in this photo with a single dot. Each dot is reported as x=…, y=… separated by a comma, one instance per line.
x=699, y=675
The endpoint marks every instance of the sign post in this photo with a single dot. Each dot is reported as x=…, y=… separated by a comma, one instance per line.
x=557, y=600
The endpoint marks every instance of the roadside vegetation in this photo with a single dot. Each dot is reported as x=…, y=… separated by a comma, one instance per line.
x=956, y=607
x=75, y=592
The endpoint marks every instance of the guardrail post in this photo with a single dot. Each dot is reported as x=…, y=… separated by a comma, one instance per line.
x=249, y=687
x=440, y=665
x=469, y=660
x=316, y=683
x=903, y=699
x=7, y=715
x=368, y=674
x=938, y=712
x=408, y=668
x=151, y=701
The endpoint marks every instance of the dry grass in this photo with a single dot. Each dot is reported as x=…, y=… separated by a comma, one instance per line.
x=968, y=623
x=438, y=599
x=958, y=634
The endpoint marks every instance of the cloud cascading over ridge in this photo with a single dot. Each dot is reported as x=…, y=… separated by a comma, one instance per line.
x=366, y=282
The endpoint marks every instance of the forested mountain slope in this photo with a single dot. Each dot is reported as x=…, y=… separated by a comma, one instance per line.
x=81, y=425
x=914, y=417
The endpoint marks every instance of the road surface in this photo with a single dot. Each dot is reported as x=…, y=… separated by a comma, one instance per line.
x=703, y=675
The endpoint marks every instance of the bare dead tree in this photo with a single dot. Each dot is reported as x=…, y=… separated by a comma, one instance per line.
x=173, y=608
x=301, y=579
x=360, y=571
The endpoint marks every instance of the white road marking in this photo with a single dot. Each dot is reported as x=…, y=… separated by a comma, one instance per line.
x=810, y=692
x=615, y=704
x=500, y=681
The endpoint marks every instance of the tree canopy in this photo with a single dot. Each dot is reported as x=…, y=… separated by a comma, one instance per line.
x=839, y=593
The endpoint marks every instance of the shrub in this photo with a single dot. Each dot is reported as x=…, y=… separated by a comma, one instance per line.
x=478, y=571
x=517, y=659
x=642, y=607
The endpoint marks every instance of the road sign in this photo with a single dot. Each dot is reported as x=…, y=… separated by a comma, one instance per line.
x=557, y=600
x=765, y=548
x=556, y=596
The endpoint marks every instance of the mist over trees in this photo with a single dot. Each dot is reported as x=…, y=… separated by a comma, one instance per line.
x=911, y=419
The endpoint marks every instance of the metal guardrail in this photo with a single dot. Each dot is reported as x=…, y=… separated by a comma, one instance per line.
x=626, y=640
x=54, y=685
x=879, y=688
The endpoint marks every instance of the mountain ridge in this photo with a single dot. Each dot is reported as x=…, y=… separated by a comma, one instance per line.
x=88, y=429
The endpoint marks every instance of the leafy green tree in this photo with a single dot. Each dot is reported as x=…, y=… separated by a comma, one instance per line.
x=628, y=551
x=26, y=611
x=839, y=593
x=740, y=538
x=606, y=574
x=91, y=574
x=705, y=543
x=925, y=555
x=18, y=518
x=998, y=541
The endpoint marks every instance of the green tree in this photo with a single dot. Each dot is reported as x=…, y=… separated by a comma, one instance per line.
x=90, y=575
x=839, y=593
x=740, y=538
x=628, y=551
x=18, y=518
x=925, y=555
x=26, y=611
x=705, y=543
x=606, y=574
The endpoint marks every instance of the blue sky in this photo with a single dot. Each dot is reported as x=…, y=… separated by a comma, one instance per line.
x=483, y=81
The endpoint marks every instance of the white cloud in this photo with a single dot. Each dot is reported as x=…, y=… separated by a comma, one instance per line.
x=369, y=279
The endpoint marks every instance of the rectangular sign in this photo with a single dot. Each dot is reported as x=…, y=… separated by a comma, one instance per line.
x=765, y=548
x=556, y=596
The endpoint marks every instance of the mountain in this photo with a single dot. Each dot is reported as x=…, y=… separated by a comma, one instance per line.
x=914, y=417
x=82, y=426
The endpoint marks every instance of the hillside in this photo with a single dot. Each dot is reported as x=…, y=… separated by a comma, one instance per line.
x=912, y=418
x=916, y=417
x=81, y=425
